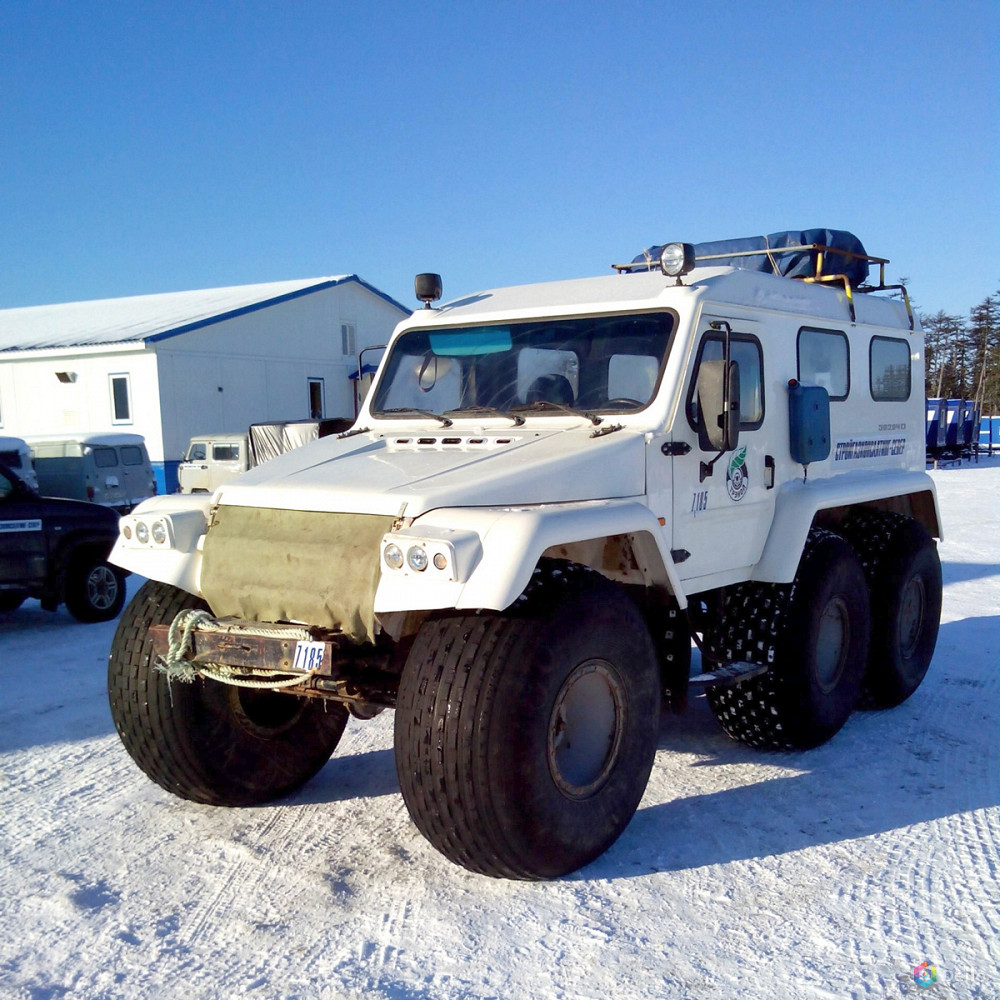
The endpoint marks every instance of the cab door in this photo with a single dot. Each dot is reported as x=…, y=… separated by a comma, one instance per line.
x=22, y=538
x=722, y=504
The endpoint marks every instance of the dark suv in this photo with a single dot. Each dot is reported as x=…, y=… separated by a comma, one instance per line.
x=56, y=550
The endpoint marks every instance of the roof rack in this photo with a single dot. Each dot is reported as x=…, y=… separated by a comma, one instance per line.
x=819, y=251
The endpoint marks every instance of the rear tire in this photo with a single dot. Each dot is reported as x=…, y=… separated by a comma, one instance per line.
x=904, y=577
x=206, y=741
x=815, y=638
x=524, y=743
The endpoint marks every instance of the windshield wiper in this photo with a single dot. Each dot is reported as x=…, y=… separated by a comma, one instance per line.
x=545, y=404
x=486, y=411
x=420, y=413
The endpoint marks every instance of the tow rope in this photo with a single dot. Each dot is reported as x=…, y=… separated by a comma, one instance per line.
x=179, y=667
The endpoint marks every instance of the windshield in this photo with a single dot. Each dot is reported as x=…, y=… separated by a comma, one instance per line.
x=602, y=364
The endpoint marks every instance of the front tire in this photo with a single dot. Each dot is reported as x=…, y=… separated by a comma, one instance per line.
x=524, y=741
x=206, y=741
x=813, y=635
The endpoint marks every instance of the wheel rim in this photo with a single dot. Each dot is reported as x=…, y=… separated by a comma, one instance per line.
x=585, y=729
x=832, y=643
x=102, y=588
x=911, y=616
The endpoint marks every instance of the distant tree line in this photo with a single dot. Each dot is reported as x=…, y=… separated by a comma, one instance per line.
x=963, y=354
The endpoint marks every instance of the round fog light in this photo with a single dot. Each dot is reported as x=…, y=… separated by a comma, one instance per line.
x=127, y=531
x=159, y=532
x=440, y=560
x=417, y=558
x=141, y=532
x=393, y=556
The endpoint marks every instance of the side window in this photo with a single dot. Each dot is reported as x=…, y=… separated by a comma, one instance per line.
x=824, y=359
x=105, y=458
x=889, y=369
x=196, y=453
x=121, y=399
x=746, y=352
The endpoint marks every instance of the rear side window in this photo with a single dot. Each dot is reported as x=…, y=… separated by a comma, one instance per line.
x=824, y=358
x=225, y=452
x=105, y=458
x=131, y=455
x=889, y=369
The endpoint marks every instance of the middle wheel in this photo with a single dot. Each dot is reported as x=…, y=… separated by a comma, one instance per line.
x=524, y=742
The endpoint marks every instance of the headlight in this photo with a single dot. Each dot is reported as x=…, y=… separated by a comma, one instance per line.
x=393, y=556
x=141, y=532
x=159, y=532
x=416, y=558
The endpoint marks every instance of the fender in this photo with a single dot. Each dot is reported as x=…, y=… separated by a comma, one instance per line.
x=498, y=548
x=798, y=503
x=177, y=560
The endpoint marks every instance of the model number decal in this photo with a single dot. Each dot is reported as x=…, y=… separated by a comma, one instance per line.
x=31, y=525
x=308, y=656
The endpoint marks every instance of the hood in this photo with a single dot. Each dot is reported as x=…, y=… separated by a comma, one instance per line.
x=409, y=473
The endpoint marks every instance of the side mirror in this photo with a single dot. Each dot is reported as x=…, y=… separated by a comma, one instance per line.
x=718, y=405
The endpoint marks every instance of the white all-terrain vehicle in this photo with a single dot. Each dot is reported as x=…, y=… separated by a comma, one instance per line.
x=550, y=492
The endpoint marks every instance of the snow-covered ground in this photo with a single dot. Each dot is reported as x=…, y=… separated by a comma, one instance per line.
x=825, y=874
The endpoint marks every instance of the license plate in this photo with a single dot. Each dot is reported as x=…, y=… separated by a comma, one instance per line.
x=308, y=656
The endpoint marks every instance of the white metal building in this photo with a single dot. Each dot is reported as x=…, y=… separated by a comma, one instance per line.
x=174, y=365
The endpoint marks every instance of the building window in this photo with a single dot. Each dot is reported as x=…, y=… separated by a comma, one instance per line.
x=316, y=398
x=348, y=341
x=121, y=399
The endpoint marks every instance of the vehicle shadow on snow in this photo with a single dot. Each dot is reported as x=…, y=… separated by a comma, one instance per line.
x=352, y=776
x=932, y=757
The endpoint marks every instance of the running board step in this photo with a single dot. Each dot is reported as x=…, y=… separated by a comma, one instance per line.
x=729, y=674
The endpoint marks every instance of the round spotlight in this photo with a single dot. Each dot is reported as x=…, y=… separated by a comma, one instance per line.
x=159, y=532
x=141, y=532
x=393, y=556
x=417, y=558
x=677, y=259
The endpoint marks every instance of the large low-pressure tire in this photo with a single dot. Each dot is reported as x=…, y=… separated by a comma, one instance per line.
x=524, y=741
x=94, y=590
x=814, y=636
x=904, y=578
x=11, y=600
x=206, y=741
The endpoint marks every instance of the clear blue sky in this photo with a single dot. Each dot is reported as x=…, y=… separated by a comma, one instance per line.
x=160, y=146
